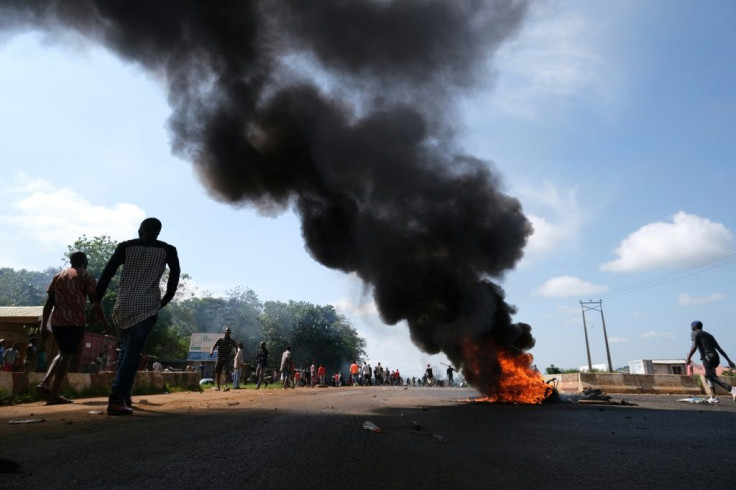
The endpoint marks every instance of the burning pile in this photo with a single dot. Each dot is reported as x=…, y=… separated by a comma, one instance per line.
x=507, y=375
x=342, y=111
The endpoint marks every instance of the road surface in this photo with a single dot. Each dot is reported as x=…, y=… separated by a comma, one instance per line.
x=430, y=438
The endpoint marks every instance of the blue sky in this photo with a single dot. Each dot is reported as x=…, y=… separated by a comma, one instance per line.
x=612, y=122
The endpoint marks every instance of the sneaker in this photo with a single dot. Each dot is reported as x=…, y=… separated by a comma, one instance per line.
x=118, y=408
x=733, y=393
x=712, y=400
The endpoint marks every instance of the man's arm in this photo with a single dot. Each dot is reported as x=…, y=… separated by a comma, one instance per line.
x=48, y=306
x=117, y=259
x=725, y=356
x=172, y=260
x=690, y=354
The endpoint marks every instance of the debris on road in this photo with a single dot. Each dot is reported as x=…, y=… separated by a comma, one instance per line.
x=368, y=425
x=693, y=400
x=26, y=421
x=591, y=396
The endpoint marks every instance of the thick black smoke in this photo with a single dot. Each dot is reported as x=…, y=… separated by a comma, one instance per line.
x=343, y=110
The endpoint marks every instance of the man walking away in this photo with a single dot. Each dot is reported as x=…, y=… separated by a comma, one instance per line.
x=138, y=301
x=708, y=347
x=225, y=346
x=64, y=312
x=261, y=363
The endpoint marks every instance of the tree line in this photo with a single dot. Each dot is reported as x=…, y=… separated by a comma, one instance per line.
x=314, y=332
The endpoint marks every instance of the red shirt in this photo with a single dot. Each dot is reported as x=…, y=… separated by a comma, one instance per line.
x=321, y=371
x=71, y=287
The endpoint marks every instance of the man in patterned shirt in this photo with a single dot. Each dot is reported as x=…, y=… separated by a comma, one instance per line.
x=225, y=346
x=64, y=307
x=138, y=301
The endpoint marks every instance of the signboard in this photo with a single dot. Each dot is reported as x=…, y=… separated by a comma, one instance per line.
x=200, y=345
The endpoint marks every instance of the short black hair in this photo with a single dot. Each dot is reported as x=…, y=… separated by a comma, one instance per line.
x=152, y=224
x=78, y=259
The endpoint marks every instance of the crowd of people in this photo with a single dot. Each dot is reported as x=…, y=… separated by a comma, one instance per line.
x=231, y=367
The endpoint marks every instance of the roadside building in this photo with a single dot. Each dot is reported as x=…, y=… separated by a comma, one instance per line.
x=658, y=366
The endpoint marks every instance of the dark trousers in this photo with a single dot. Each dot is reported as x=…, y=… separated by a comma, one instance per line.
x=133, y=342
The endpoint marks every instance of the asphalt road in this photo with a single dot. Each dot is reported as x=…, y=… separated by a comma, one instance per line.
x=314, y=439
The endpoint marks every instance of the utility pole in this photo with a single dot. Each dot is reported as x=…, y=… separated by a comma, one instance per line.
x=596, y=306
x=587, y=344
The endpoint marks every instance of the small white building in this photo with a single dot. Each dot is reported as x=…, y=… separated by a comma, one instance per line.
x=658, y=366
x=596, y=367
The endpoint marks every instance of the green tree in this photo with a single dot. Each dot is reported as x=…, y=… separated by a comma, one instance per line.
x=24, y=288
x=240, y=310
x=315, y=333
x=552, y=369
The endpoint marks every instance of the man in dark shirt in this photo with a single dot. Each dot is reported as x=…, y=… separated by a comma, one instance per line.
x=708, y=347
x=138, y=302
x=225, y=346
x=261, y=364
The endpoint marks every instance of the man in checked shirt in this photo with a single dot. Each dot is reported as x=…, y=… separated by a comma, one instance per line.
x=138, y=302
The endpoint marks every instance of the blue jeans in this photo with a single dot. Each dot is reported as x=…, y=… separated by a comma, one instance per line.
x=236, y=377
x=133, y=341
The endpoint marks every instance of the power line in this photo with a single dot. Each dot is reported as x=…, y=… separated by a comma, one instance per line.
x=658, y=280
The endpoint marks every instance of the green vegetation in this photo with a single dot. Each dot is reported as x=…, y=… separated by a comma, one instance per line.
x=315, y=332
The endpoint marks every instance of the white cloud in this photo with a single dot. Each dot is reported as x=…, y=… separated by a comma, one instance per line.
x=563, y=219
x=657, y=335
x=618, y=340
x=686, y=299
x=564, y=286
x=554, y=59
x=687, y=239
x=36, y=217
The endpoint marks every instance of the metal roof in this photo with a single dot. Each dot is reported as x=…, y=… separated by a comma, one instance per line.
x=21, y=313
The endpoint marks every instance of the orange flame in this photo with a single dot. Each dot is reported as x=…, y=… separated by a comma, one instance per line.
x=503, y=375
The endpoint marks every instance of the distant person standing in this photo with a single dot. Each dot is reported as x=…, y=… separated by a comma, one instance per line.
x=10, y=357
x=138, y=302
x=287, y=366
x=450, y=371
x=238, y=366
x=708, y=347
x=430, y=375
x=64, y=313
x=354, y=373
x=321, y=372
x=261, y=364
x=225, y=347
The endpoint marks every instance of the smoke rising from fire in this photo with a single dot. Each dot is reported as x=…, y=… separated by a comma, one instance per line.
x=343, y=111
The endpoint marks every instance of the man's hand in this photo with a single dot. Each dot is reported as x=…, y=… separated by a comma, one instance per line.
x=99, y=315
x=687, y=361
x=731, y=365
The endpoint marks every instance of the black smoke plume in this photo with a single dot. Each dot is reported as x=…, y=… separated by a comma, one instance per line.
x=343, y=110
